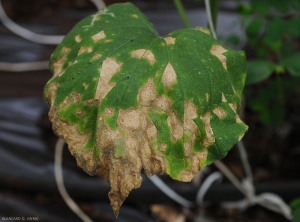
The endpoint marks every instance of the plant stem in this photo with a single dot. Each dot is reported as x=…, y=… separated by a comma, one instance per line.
x=182, y=13
x=214, y=6
x=280, y=90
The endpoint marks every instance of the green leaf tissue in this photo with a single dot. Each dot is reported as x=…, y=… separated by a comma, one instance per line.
x=128, y=101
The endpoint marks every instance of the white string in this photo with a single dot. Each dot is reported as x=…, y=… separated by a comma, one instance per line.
x=205, y=187
x=244, y=159
x=100, y=4
x=268, y=200
x=60, y=182
x=170, y=193
x=27, y=34
x=35, y=37
x=209, y=17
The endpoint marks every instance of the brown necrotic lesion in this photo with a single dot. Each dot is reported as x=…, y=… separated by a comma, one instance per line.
x=218, y=50
x=97, y=37
x=109, y=67
x=169, y=76
x=58, y=65
x=145, y=54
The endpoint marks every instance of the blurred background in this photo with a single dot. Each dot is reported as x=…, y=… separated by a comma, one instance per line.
x=270, y=35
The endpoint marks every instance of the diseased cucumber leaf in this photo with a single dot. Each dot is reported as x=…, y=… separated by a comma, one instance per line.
x=127, y=100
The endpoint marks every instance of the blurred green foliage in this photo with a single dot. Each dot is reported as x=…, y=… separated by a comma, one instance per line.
x=295, y=206
x=272, y=28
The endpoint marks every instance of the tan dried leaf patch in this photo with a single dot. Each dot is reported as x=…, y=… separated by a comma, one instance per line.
x=85, y=49
x=78, y=38
x=97, y=37
x=219, y=112
x=162, y=103
x=209, y=139
x=147, y=93
x=169, y=76
x=176, y=127
x=58, y=65
x=205, y=30
x=170, y=40
x=218, y=50
x=109, y=67
x=143, y=53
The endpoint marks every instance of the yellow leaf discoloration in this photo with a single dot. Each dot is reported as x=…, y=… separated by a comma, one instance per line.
x=207, y=97
x=85, y=85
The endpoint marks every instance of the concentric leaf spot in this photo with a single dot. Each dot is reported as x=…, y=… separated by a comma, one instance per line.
x=162, y=103
x=147, y=93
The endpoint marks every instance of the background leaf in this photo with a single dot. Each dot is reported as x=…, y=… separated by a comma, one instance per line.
x=261, y=6
x=275, y=29
x=292, y=64
x=282, y=6
x=254, y=27
x=259, y=70
x=292, y=27
x=295, y=205
x=296, y=4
